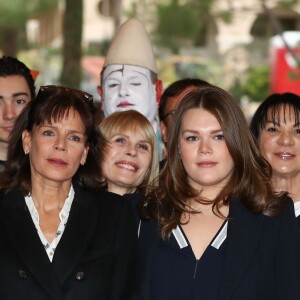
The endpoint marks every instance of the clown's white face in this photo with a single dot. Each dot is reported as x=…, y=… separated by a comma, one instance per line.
x=128, y=87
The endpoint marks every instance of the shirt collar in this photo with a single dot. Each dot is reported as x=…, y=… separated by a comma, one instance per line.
x=297, y=208
x=63, y=214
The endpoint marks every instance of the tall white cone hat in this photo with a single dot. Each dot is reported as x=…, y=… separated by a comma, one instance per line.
x=131, y=46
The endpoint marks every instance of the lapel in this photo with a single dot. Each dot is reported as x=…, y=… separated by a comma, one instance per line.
x=78, y=232
x=243, y=236
x=148, y=242
x=26, y=242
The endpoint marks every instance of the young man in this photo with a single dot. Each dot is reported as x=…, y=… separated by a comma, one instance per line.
x=16, y=90
x=171, y=98
x=169, y=101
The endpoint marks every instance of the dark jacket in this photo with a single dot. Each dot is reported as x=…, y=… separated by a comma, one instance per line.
x=262, y=258
x=95, y=258
x=2, y=163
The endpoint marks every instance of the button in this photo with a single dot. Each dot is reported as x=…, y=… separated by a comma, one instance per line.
x=79, y=275
x=23, y=274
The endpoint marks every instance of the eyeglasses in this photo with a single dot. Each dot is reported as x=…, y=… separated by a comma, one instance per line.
x=170, y=113
x=54, y=88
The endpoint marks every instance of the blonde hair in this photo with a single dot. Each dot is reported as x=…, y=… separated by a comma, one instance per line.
x=132, y=120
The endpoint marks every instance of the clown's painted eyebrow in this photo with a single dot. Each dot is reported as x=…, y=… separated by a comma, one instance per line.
x=122, y=69
x=142, y=74
x=113, y=71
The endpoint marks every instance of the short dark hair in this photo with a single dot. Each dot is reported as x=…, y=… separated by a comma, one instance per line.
x=175, y=89
x=53, y=103
x=270, y=108
x=10, y=66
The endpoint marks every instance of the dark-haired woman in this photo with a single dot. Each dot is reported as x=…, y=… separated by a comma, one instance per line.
x=214, y=229
x=276, y=126
x=59, y=239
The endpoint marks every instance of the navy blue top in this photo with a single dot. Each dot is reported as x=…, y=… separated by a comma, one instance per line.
x=178, y=275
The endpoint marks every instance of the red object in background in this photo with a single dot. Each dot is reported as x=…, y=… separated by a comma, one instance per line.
x=285, y=71
x=34, y=73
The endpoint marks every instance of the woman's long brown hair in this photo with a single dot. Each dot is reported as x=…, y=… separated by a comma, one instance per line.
x=250, y=179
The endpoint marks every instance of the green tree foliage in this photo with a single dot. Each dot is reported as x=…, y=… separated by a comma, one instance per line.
x=287, y=4
x=177, y=25
x=13, y=17
x=181, y=23
x=257, y=83
x=15, y=13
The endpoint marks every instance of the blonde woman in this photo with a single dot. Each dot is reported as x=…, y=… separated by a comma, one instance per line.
x=130, y=162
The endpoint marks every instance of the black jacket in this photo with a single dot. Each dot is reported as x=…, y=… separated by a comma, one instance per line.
x=262, y=259
x=95, y=258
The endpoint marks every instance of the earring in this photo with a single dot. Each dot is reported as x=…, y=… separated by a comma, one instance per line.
x=82, y=163
x=26, y=152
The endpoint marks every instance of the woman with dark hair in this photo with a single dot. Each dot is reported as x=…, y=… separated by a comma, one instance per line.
x=276, y=126
x=214, y=229
x=60, y=239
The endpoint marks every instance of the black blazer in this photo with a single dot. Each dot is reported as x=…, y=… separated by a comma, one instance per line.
x=262, y=259
x=95, y=258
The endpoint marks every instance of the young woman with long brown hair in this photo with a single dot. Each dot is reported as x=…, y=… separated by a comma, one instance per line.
x=214, y=229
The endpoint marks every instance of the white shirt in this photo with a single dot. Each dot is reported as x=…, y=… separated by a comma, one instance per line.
x=297, y=208
x=63, y=216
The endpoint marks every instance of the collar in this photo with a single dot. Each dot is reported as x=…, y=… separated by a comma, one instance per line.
x=63, y=214
x=297, y=208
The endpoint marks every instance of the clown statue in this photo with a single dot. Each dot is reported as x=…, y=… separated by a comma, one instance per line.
x=129, y=74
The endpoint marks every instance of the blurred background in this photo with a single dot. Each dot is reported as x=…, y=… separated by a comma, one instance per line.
x=245, y=47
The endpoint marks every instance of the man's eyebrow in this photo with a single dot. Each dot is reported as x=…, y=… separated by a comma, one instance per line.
x=20, y=94
x=17, y=95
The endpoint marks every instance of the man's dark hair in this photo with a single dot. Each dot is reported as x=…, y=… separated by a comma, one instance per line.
x=175, y=89
x=10, y=66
